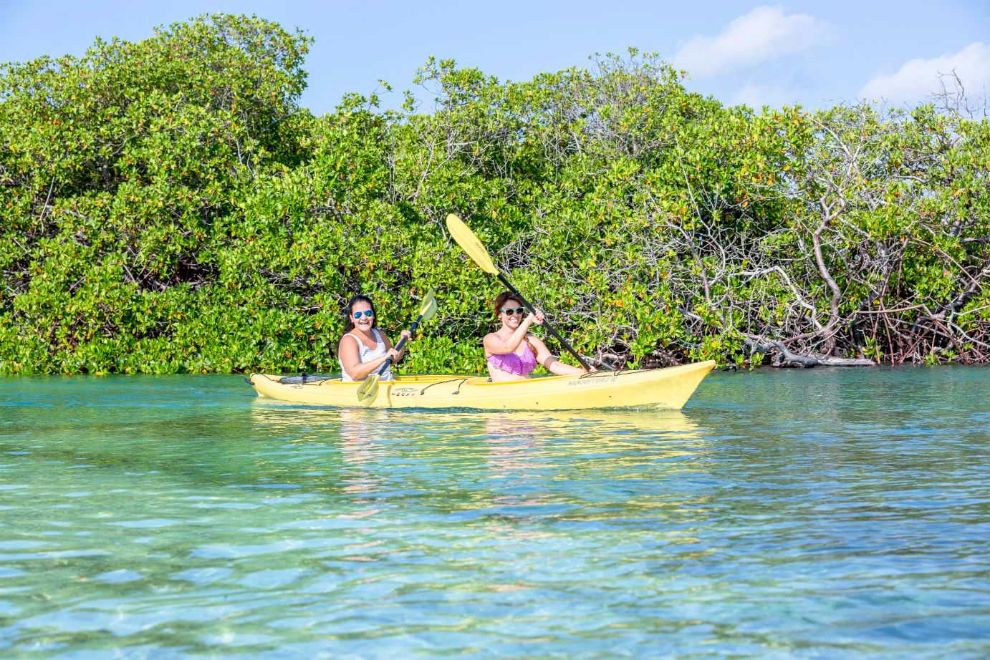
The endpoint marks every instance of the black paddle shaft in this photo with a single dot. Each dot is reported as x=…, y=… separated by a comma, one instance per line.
x=398, y=347
x=546, y=325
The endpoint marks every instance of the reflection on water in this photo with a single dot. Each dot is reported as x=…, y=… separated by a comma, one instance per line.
x=499, y=448
x=182, y=516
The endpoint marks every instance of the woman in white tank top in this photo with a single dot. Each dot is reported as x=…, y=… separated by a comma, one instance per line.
x=364, y=348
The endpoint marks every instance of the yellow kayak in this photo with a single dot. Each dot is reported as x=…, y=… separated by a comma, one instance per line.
x=668, y=388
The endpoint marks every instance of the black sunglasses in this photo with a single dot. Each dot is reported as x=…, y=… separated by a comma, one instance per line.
x=509, y=311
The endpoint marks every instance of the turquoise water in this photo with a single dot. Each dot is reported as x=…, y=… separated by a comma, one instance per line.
x=821, y=513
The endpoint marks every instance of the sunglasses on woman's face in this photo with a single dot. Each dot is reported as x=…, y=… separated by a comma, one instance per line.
x=509, y=311
x=366, y=312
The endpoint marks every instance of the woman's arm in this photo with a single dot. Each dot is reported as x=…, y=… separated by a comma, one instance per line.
x=550, y=361
x=495, y=345
x=350, y=358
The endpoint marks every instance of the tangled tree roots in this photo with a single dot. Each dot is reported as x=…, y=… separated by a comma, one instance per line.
x=781, y=356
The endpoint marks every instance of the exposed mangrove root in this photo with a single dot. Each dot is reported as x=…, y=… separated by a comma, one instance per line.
x=781, y=356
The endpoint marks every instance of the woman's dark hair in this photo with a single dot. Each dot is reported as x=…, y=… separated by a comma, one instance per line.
x=348, y=321
x=503, y=298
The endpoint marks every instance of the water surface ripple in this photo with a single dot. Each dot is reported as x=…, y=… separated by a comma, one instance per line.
x=823, y=513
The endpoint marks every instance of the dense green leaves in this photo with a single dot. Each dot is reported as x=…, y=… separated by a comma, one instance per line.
x=167, y=207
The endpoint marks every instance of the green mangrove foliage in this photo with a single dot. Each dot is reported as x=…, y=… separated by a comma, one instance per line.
x=168, y=207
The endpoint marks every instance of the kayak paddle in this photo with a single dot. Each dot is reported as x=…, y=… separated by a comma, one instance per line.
x=476, y=250
x=368, y=389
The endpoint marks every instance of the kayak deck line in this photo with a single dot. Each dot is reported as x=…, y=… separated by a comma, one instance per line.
x=667, y=388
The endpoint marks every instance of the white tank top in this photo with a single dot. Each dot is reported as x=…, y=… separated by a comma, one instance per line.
x=366, y=354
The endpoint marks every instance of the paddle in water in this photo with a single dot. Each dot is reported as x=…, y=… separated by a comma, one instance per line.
x=476, y=250
x=368, y=390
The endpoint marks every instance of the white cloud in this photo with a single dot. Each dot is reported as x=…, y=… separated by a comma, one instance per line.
x=920, y=78
x=761, y=35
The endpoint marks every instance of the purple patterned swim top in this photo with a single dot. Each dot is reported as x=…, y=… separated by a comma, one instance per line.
x=520, y=365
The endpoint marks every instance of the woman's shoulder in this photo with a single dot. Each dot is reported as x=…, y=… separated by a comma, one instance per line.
x=491, y=336
x=488, y=339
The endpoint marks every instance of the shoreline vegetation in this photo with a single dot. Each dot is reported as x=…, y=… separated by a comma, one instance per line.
x=167, y=207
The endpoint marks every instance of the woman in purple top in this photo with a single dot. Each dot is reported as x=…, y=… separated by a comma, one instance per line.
x=511, y=351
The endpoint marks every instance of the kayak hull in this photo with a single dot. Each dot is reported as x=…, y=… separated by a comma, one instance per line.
x=668, y=388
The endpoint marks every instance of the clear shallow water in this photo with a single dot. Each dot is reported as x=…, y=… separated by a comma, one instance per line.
x=822, y=513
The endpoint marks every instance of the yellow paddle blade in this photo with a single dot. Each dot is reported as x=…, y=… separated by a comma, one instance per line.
x=428, y=307
x=368, y=389
x=470, y=244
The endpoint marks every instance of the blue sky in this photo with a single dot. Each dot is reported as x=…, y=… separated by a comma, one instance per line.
x=813, y=53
